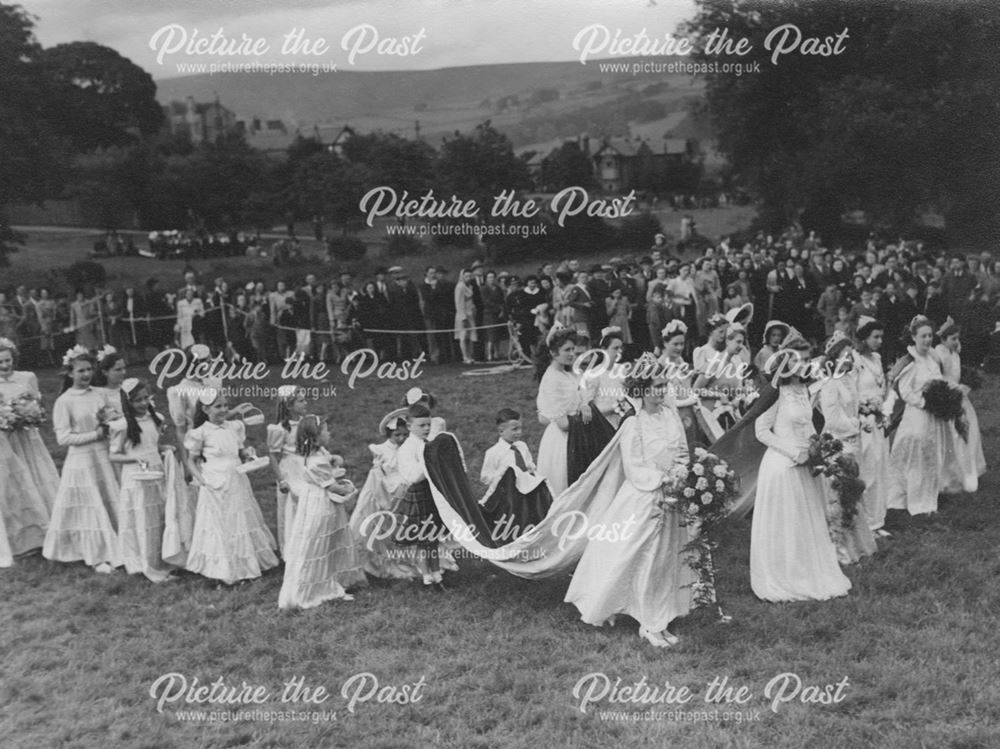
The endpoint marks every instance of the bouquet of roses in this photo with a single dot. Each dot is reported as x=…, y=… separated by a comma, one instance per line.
x=870, y=411
x=8, y=419
x=701, y=493
x=827, y=457
x=28, y=410
x=624, y=407
x=944, y=400
x=824, y=449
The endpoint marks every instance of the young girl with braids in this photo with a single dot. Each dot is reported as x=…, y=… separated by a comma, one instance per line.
x=83, y=523
x=135, y=447
x=281, y=444
x=322, y=554
x=230, y=541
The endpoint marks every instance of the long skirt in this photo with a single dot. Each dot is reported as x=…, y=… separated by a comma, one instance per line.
x=791, y=555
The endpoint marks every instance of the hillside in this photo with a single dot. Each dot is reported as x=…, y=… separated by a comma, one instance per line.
x=531, y=102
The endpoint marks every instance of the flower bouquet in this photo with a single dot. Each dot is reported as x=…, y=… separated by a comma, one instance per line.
x=8, y=418
x=871, y=414
x=701, y=493
x=624, y=407
x=827, y=457
x=944, y=401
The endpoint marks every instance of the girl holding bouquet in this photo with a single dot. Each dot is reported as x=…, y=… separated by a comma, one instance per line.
x=873, y=459
x=925, y=444
x=83, y=524
x=230, y=541
x=791, y=555
x=971, y=461
x=322, y=557
x=840, y=403
x=135, y=442
x=21, y=387
x=646, y=575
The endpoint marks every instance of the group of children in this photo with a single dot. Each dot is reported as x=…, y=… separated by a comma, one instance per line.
x=123, y=499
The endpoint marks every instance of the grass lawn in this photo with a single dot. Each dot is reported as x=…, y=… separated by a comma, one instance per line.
x=497, y=658
x=49, y=251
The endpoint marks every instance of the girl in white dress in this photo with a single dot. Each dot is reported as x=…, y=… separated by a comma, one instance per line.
x=135, y=446
x=230, y=541
x=27, y=443
x=559, y=397
x=839, y=402
x=322, y=559
x=281, y=441
x=646, y=575
x=83, y=524
x=606, y=390
x=23, y=515
x=971, y=461
x=924, y=445
x=791, y=555
x=873, y=460
x=109, y=376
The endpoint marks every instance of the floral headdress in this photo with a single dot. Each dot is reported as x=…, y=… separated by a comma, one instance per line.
x=837, y=343
x=77, y=352
x=674, y=327
x=609, y=330
x=106, y=351
x=129, y=385
x=207, y=396
x=9, y=345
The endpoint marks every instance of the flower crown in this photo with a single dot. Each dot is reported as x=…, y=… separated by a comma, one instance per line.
x=106, y=351
x=556, y=327
x=287, y=391
x=6, y=343
x=673, y=327
x=129, y=385
x=77, y=352
x=835, y=340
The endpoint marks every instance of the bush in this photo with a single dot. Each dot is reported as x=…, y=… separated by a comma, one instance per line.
x=85, y=273
x=346, y=248
x=400, y=244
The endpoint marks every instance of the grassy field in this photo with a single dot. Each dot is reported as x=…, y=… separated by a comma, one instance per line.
x=49, y=251
x=497, y=658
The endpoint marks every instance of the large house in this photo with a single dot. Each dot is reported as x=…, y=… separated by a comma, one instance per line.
x=626, y=163
x=201, y=122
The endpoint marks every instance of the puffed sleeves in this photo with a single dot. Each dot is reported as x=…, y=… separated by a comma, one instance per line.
x=194, y=441
x=275, y=438
x=908, y=390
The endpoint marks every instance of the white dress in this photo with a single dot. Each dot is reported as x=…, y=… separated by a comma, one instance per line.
x=643, y=572
x=281, y=445
x=839, y=403
x=322, y=558
x=142, y=503
x=971, y=461
x=558, y=396
x=83, y=523
x=27, y=444
x=230, y=541
x=924, y=445
x=791, y=555
x=873, y=460
x=24, y=517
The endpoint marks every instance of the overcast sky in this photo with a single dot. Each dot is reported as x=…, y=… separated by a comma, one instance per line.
x=456, y=32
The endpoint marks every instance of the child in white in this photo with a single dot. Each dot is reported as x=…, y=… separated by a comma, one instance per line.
x=230, y=541
x=135, y=447
x=322, y=556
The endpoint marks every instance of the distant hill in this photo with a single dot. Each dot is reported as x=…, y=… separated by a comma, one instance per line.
x=531, y=102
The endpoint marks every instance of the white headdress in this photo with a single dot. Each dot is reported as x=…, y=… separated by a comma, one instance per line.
x=77, y=352
x=129, y=385
x=674, y=327
x=106, y=351
x=556, y=327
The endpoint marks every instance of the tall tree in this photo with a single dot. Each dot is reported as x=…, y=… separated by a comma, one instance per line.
x=107, y=99
x=480, y=166
x=903, y=120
